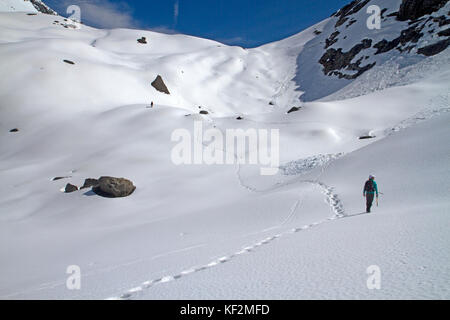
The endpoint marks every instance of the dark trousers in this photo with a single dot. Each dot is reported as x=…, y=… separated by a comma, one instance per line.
x=369, y=201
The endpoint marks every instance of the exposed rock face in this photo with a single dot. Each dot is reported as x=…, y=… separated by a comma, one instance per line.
x=412, y=34
x=442, y=20
x=69, y=62
x=434, y=49
x=110, y=187
x=70, y=188
x=348, y=10
x=159, y=85
x=444, y=33
x=42, y=7
x=14, y=130
x=332, y=39
x=414, y=9
x=334, y=60
x=204, y=112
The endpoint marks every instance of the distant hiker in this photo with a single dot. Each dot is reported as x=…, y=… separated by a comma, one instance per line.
x=370, y=188
x=151, y=105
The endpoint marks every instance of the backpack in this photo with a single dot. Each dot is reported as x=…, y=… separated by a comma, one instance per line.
x=369, y=187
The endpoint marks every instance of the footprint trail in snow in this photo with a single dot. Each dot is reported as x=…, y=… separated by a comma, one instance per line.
x=331, y=198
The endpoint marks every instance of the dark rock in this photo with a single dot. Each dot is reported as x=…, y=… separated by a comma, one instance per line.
x=351, y=22
x=413, y=9
x=70, y=188
x=434, y=49
x=111, y=187
x=43, y=8
x=293, y=109
x=442, y=20
x=239, y=118
x=31, y=14
x=159, y=85
x=334, y=60
x=14, y=130
x=317, y=32
x=332, y=39
x=271, y=103
x=412, y=34
x=88, y=183
x=444, y=33
x=393, y=14
x=366, y=137
x=60, y=178
x=348, y=10
x=204, y=112
x=69, y=62
x=142, y=40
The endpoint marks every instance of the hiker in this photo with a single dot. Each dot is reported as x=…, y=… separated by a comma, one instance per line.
x=370, y=188
x=151, y=104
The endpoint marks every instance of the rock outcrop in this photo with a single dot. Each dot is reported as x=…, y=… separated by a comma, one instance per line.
x=414, y=9
x=335, y=60
x=111, y=187
x=159, y=85
x=70, y=188
x=42, y=7
x=142, y=40
x=435, y=48
x=352, y=8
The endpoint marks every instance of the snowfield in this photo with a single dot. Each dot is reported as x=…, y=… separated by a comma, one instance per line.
x=218, y=231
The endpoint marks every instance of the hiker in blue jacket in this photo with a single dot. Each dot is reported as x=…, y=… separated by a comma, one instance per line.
x=370, y=188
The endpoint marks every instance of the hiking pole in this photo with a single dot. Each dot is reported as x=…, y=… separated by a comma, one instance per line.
x=377, y=201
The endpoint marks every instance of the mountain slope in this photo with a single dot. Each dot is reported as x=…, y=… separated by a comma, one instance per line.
x=346, y=48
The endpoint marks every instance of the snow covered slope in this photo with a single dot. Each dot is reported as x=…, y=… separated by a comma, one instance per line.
x=31, y=6
x=79, y=99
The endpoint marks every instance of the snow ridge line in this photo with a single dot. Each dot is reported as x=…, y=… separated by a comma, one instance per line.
x=331, y=198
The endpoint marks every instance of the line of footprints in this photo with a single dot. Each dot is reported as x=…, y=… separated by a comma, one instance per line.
x=333, y=201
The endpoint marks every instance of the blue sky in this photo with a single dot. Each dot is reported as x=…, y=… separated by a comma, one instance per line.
x=246, y=23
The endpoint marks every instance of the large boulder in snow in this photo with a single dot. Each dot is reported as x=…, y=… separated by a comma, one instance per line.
x=159, y=85
x=413, y=9
x=111, y=187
